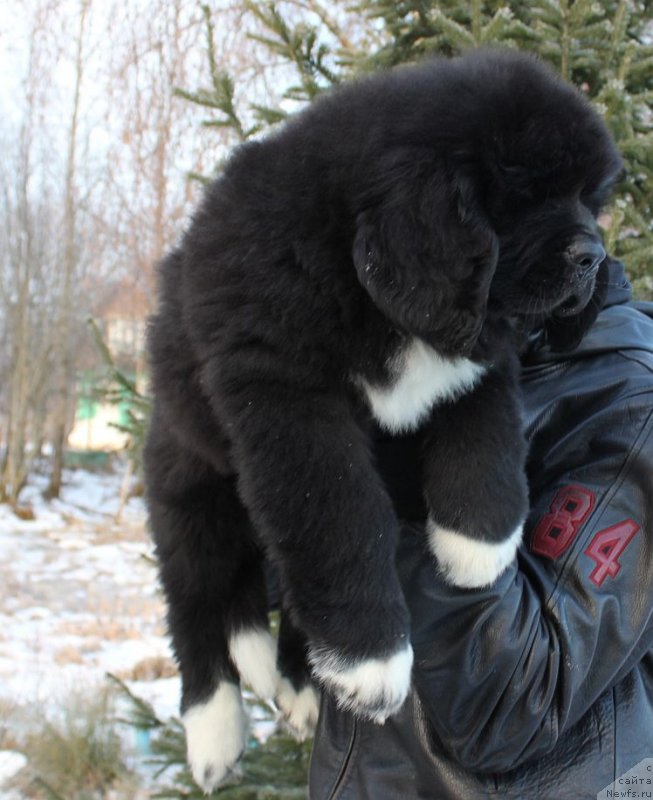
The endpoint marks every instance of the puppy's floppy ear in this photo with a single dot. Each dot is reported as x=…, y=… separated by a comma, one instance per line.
x=426, y=255
x=565, y=333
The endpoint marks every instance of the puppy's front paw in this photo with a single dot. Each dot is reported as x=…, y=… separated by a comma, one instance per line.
x=374, y=688
x=471, y=563
x=299, y=709
x=216, y=733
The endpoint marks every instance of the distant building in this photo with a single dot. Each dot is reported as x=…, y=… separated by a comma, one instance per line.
x=121, y=316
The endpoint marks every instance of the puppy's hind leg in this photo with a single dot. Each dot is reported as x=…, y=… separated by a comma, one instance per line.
x=210, y=570
x=297, y=697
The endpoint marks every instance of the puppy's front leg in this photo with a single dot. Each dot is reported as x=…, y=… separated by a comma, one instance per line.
x=475, y=483
x=306, y=476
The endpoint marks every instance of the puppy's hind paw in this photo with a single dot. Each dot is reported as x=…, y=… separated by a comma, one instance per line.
x=374, y=688
x=254, y=652
x=216, y=733
x=299, y=709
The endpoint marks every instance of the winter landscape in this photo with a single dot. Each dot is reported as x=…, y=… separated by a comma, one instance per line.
x=78, y=600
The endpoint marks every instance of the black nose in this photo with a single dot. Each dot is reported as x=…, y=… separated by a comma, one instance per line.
x=585, y=254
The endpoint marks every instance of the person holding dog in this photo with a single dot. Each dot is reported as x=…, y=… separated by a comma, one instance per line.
x=541, y=685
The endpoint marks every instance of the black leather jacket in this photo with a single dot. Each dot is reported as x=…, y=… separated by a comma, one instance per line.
x=542, y=685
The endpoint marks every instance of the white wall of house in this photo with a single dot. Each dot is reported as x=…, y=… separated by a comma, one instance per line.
x=97, y=432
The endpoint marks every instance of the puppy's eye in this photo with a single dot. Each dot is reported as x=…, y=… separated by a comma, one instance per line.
x=597, y=196
x=596, y=200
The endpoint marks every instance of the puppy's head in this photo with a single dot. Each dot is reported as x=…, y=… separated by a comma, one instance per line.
x=547, y=173
x=492, y=207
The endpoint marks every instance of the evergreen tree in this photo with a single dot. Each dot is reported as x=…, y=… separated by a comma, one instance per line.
x=118, y=389
x=603, y=46
x=275, y=770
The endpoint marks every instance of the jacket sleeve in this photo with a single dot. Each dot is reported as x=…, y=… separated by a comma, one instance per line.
x=501, y=673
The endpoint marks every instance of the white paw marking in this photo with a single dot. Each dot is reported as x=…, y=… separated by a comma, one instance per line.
x=471, y=563
x=216, y=733
x=374, y=687
x=299, y=709
x=421, y=379
x=254, y=653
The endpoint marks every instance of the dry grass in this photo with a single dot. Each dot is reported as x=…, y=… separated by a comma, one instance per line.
x=150, y=669
x=74, y=752
x=24, y=513
x=8, y=714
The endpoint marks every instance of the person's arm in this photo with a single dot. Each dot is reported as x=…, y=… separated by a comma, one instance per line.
x=503, y=672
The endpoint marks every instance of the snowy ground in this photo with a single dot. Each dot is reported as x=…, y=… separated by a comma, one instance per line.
x=78, y=599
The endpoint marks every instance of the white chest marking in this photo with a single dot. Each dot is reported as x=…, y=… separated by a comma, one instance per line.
x=422, y=378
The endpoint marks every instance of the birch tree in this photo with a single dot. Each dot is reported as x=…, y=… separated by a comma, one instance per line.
x=26, y=270
x=64, y=365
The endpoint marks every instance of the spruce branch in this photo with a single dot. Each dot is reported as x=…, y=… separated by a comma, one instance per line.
x=141, y=713
x=299, y=45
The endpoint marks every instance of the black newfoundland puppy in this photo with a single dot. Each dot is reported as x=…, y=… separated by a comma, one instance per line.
x=374, y=262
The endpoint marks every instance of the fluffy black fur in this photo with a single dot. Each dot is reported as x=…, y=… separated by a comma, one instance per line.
x=453, y=201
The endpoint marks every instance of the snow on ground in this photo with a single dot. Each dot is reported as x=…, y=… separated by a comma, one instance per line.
x=78, y=590
x=79, y=597
x=11, y=763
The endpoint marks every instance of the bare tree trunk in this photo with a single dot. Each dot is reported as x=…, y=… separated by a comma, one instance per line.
x=66, y=373
x=20, y=247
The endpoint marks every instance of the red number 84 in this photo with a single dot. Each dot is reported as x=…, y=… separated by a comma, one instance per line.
x=558, y=528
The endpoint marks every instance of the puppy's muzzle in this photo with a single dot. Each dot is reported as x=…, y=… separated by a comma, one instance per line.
x=584, y=255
